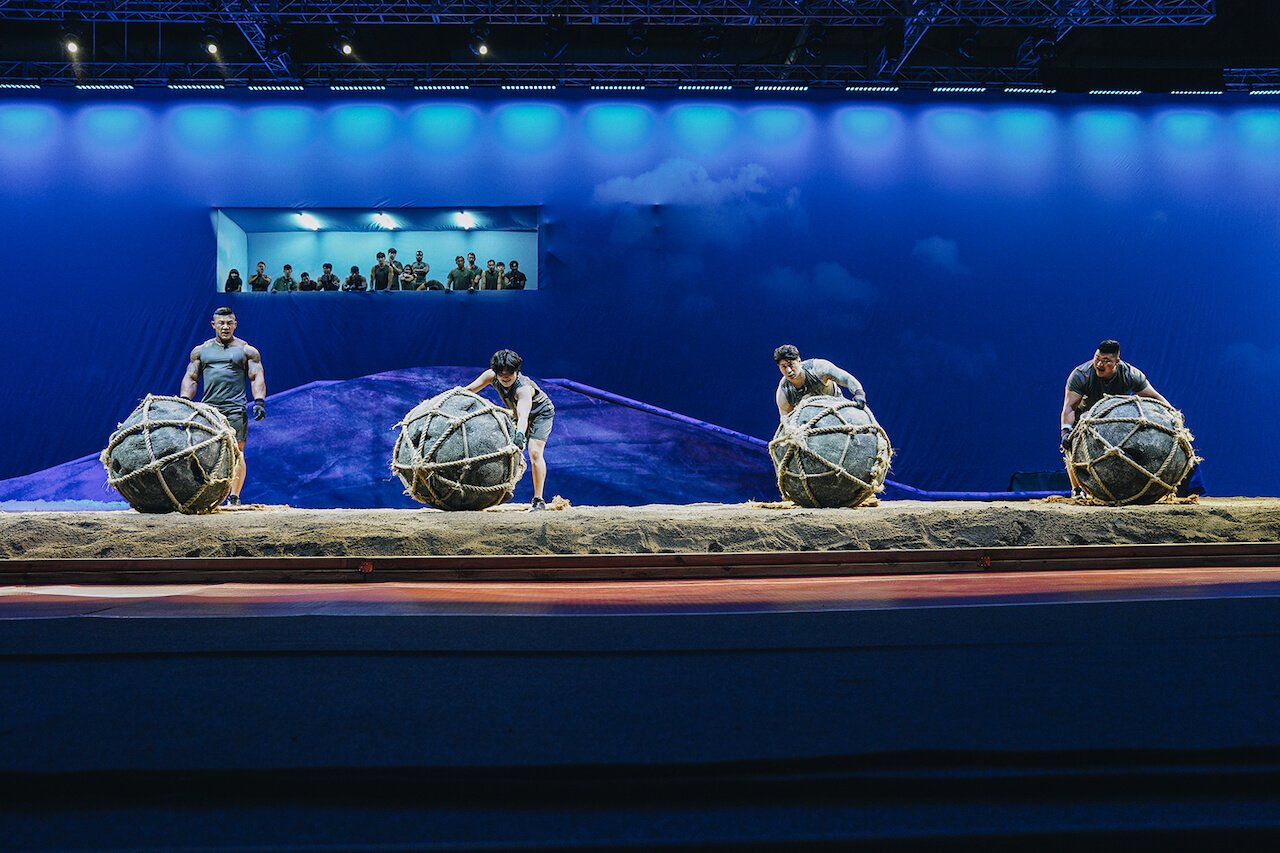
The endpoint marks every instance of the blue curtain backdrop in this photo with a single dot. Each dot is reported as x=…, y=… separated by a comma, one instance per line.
x=959, y=257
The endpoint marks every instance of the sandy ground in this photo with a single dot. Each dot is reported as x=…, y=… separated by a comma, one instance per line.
x=698, y=528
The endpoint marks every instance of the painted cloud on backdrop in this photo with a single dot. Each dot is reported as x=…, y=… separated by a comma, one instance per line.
x=940, y=253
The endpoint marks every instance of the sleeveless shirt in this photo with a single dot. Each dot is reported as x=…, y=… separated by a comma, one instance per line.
x=224, y=370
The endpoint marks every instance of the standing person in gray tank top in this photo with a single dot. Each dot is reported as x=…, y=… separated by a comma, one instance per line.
x=801, y=379
x=224, y=363
x=531, y=408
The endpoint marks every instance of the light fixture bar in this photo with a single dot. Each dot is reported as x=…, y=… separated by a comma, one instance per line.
x=275, y=87
x=441, y=87
x=959, y=88
x=196, y=86
x=861, y=88
x=1115, y=91
x=100, y=86
x=1029, y=90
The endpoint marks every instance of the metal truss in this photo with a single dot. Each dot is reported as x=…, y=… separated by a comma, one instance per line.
x=253, y=24
x=321, y=75
x=1251, y=79
x=1057, y=14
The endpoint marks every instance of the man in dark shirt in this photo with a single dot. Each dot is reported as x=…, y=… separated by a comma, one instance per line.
x=459, y=278
x=355, y=281
x=530, y=408
x=515, y=279
x=260, y=282
x=420, y=270
x=285, y=283
x=380, y=273
x=812, y=376
x=224, y=363
x=327, y=280
x=1091, y=381
x=306, y=282
x=489, y=278
x=473, y=271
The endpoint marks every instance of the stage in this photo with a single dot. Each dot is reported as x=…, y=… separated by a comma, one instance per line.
x=275, y=531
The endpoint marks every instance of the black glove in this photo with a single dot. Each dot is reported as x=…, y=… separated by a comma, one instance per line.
x=1066, y=438
x=259, y=409
x=859, y=402
x=519, y=439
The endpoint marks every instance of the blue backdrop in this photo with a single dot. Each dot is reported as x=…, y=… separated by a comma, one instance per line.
x=959, y=257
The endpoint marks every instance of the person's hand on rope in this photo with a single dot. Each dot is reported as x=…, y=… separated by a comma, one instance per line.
x=1066, y=438
x=259, y=409
x=519, y=439
x=860, y=402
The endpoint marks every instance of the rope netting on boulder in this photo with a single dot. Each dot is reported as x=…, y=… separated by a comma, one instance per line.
x=828, y=452
x=172, y=454
x=1130, y=449
x=457, y=451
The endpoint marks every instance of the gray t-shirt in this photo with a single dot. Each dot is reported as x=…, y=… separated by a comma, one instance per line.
x=224, y=370
x=1084, y=380
x=814, y=369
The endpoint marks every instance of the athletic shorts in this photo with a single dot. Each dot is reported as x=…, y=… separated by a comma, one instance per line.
x=540, y=426
x=239, y=421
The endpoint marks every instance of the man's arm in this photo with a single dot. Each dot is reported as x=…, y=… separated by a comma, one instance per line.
x=844, y=379
x=484, y=380
x=191, y=378
x=1069, y=403
x=257, y=381
x=784, y=406
x=1151, y=393
x=524, y=402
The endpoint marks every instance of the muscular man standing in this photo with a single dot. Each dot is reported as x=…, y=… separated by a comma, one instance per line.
x=801, y=379
x=224, y=363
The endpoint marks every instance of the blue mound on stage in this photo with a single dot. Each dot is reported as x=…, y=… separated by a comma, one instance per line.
x=328, y=444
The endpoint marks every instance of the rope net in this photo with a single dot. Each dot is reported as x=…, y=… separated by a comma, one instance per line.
x=171, y=454
x=447, y=448
x=1130, y=449
x=816, y=471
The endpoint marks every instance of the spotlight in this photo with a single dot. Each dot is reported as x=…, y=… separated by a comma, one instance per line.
x=477, y=39
x=71, y=40
x=466, y=220
x=309, y=221
x=343, y=43
x=211, y=39
x=386, y=221
x=637, y=39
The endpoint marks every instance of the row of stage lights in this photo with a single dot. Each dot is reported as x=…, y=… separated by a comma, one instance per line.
x=196, y=85
x=463, y=219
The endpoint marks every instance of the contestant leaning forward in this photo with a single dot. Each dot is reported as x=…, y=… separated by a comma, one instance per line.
x=531, y=408
x=224, y=362
x=1090, y=382
x=801, y=379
